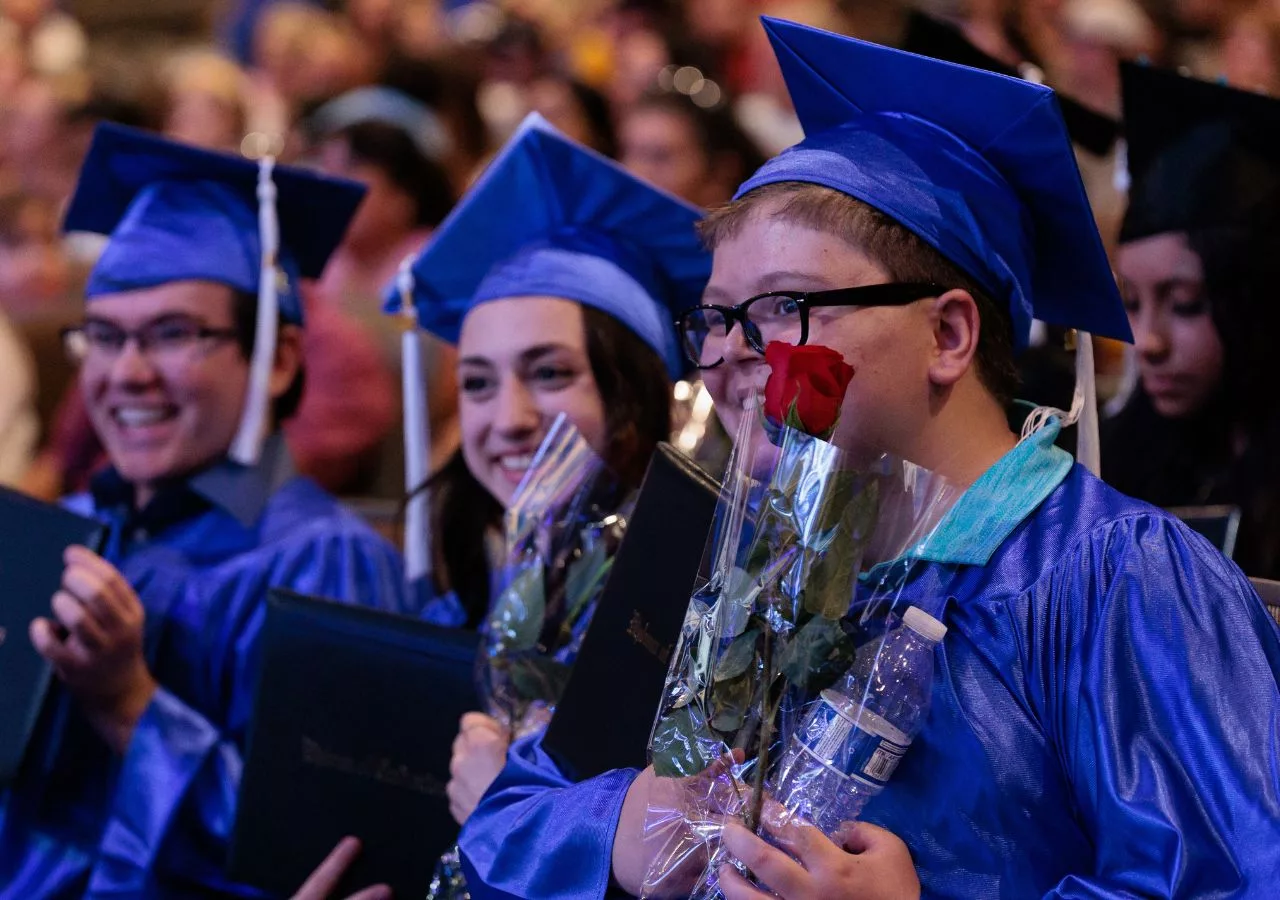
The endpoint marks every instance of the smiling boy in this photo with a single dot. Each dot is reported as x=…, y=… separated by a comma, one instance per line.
x=129, y=786
x=1106, y=710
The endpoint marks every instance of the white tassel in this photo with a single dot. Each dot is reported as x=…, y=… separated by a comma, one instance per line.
x=247, y=446
x=1083, y=412
x=1120, y=178
x=417, y=433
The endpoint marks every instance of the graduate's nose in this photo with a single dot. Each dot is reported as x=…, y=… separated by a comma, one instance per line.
x=1150, y=336
x=736, y=348
x=515, y=414
x=132, y=369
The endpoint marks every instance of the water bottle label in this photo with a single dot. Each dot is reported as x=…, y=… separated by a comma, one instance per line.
x=856, y=746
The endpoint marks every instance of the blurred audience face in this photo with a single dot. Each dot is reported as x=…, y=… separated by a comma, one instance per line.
x=1180, y=357
x=522, y=362
x=718, y=22
x=1096, y=36
x=33, y=270
x=42, y=147
x=555, y=98
x=26, y=14
x=639, y=55
x=1251, y=53
x=167, y=411
x=387, y=212
x=697, y=154
x=207, y=94
x=660, y=146
x=308, y=53
x=373, y=19
x=32, y=124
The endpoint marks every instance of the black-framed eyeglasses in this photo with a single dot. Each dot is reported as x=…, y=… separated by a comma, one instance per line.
x=167, y=339
x=781, y=315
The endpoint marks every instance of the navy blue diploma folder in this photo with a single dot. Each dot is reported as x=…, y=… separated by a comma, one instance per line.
x=33, y=537
x=603, y=719
x=352, y=731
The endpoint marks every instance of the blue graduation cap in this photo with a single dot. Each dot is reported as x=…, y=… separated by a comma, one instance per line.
x=174, y=212
x=547, y=218
x=978, y=165
x=552, y=218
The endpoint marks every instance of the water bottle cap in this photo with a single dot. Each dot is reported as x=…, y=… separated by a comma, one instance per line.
x=924, y=624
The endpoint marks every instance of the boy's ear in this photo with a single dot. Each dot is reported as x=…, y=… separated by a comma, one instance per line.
x=956, y=327
x=288, y=360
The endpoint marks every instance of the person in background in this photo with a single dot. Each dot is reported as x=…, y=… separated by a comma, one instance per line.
x=447, y=84
x=1096, y=36
x=1198, y=261
x=697, y=153
x=575, y=108
x=393, y=145
x=19, y=425
x=35, y=273
x=52, y=42
x=302, y=55
x=130, y=786
x=206, y=96
x=1251, y=50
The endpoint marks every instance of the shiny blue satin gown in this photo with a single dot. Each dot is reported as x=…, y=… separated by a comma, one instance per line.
x=81, y=821
x=1105, y=720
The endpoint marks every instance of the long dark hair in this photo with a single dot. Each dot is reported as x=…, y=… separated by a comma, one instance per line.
x=636, y=391
x=1229, y=451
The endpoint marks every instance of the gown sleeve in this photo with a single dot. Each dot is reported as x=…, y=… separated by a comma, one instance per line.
x=1167, y=708
x=174, y=809
x=537, y=834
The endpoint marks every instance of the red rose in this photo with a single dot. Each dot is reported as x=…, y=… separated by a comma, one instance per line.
x=806, y=387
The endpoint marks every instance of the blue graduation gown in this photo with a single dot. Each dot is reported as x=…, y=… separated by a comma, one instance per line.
x=1105, y=718
x=81, y=821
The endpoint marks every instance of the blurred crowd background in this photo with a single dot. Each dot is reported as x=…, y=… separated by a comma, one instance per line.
x=412, y=96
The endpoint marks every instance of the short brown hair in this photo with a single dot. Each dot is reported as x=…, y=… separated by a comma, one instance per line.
x=896, y=249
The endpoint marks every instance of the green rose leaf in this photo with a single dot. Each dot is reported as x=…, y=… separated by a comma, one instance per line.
x=585, y=577
x=818, y=654
x=829, y=590
x=521, y=610
x=682, y=744
x=863, y=511
x=730, y=702
x=537, y=677
x=738, y=656
x=735, y=604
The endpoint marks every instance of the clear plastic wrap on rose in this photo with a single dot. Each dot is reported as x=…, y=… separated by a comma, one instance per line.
x=780, y=621
x=560, y=533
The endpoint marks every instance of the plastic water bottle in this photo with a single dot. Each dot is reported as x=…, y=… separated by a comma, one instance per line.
x=857, y=731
